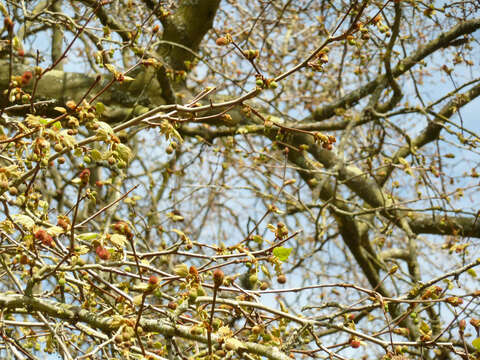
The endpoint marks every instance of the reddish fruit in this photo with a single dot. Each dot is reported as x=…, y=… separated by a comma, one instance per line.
x=102, y=253
x=43, y=237
x=355, y=343
x=21, y=52
x=26, y=77
x=153, y=280
x=40, y=234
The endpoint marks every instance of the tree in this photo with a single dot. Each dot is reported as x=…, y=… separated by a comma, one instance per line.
x=239, y=179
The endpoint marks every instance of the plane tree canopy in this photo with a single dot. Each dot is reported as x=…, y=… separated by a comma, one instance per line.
x=206, y=179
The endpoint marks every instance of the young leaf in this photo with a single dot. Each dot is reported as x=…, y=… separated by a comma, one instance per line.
x=118, y=240
x=282, y=253
x=476, y=343
x=24, y=220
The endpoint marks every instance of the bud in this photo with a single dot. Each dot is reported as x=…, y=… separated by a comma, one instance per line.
x=355, y=343
x=63, y=222
x=8, y=23
x=38, y=70
x=323, y=58
x=84, y=177
x=475, y=323
x=193, y=271
x=218, y=277
x=181, y=270
x=454, y=300
x=172, y=305
x=222, y=41
x=393, y=270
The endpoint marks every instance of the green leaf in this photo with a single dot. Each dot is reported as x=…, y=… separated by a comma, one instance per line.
x=57, y=126
x=282, y=253
x=88, y=236
x=100, y=108
x=81, y=250
x=55, y=230
x=137, y=300
x=476, y=343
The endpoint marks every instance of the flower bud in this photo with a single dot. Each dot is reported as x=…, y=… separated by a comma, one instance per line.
x=218, y=277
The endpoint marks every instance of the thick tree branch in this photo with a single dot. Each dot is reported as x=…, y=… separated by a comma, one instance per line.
x=403, y=66
x=433, y=129
x=187, y=26
x=108, y=325
x=446, y=225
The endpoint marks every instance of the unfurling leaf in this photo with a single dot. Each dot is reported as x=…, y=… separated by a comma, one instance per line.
x=124, y=152
x=137, y=300
x=118, y=240
x=24, y=220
